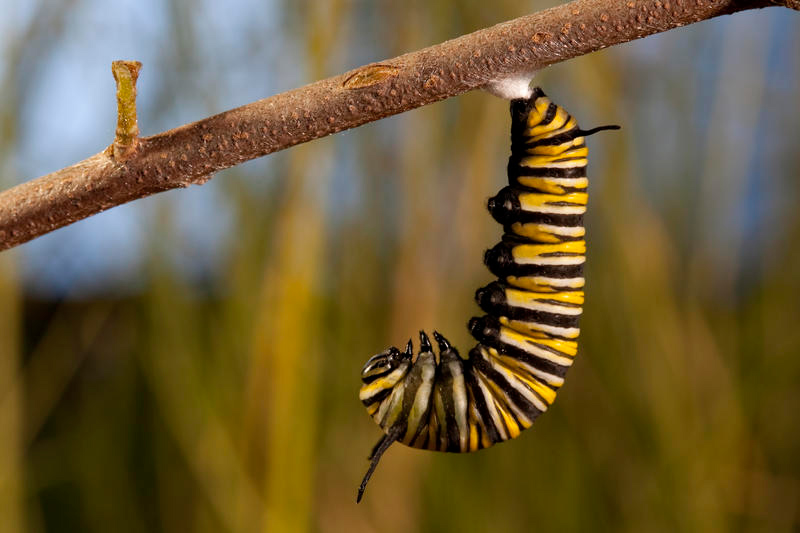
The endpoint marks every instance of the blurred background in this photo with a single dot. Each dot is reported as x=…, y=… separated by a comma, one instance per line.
x=190, y=362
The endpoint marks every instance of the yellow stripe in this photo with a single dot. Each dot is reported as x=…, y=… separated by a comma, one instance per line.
x=560, y=121
x=538, y=111
x=532, y=251
x=540, y=333
x=530, y=328
x=501, y=405
x=473, y=436
x=513, y=366
x=520, y=298
x=563, y=346
x=547, y=394
x=376, y=386
x=557, y=127
x=534, y=232
x=433, y=437
x=522, y=369
x=536, y=160
x=521, y=341
x=511, y=424
x=529, y=200
x=553, y=149
x=551, y=185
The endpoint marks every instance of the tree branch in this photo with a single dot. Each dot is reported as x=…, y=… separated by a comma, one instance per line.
x=137, y=167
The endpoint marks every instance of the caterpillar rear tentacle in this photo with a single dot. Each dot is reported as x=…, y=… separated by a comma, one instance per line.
x=528, y=338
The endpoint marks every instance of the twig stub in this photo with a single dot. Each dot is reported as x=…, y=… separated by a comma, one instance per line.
x=127, y=135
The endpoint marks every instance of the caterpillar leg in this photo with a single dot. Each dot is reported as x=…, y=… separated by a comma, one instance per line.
x=377, y=452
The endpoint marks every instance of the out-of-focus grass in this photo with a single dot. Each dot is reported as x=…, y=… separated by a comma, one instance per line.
x=233, y=406
x=11, y=406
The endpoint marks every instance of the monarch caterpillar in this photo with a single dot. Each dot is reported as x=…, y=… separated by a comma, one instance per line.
x=528, y=338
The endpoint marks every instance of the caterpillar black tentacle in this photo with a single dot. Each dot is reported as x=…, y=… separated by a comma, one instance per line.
x=528, y=338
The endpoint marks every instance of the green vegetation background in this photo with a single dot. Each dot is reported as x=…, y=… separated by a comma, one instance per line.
x=231, y=405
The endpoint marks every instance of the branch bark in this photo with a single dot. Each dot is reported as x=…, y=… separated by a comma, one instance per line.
x=191, y=153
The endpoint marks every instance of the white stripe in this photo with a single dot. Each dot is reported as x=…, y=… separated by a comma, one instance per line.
x=518, y=385
x=391, y=407
x=553, y=260
x=489, y=401
x=536, y=350
x=460, y=404
x=423, y=397
x=548, y=378
x=556, y=209
x=549, y=308
x=569, y=231
x=558, y=282
x=546, y=328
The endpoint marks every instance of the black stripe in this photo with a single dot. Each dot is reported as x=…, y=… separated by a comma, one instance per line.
x=382, y=395
x=567, y=158
x=520, y=109
x=501, y=263
x=445, y=383
x=486, y=331
x=549, y=115
x=505, y=208
x=569, y=135
x=413, y=381
x=519, y=126
x=369, y=379
x=529, y=271
x=520, y=188
x=554, y=219
x=427, y=436
x=480, y=404
x=520, y=401
x=492, y=300
x=515, y=169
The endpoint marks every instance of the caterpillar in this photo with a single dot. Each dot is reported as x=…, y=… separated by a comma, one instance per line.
x=528, y=338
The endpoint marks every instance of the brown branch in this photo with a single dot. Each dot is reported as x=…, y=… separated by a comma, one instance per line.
x=191, y=153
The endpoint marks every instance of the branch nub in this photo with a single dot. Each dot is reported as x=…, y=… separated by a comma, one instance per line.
x=127, y=134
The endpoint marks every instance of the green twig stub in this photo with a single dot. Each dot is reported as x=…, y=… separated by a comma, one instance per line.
x=127, y=134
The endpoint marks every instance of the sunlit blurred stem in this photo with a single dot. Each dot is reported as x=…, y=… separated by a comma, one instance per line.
x=11, y=400
x=189, y=401
x=284, y=380
x=12, y=464
x=283, y=389
x=54, y=361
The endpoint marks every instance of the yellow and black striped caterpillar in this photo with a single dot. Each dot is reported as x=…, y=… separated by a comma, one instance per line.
x=528, y=338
